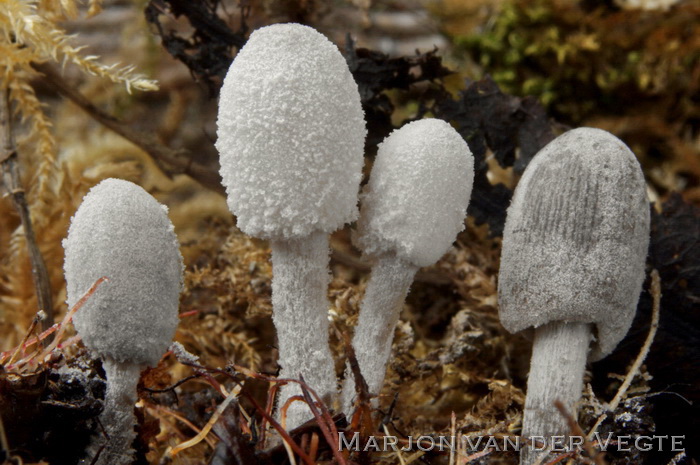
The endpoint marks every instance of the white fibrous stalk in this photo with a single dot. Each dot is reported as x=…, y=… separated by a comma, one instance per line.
x=122, y=233
x=412, y=210
x=572, y=265
x=291, y=137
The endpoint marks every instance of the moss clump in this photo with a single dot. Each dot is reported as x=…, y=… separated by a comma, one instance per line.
x=583, y=62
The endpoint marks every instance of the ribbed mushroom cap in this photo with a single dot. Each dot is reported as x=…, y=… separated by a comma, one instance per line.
x=418, y=192
x=291, y=134
x=123, y=233
x=576, y=238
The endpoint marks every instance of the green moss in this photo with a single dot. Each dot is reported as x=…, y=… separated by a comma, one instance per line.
x=583, y=62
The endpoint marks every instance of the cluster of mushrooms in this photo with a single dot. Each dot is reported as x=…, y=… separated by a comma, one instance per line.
x=291, y=136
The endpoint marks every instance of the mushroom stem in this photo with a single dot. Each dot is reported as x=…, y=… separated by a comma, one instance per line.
x=117, y=417
x=559, y=355
x=381, y=306
x=300, y=313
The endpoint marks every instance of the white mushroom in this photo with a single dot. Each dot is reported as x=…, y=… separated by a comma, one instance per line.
x=123, y=233
x=572, y=265
x=412, y=209
x=291, y=136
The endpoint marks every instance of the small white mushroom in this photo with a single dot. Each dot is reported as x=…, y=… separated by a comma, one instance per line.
x=412, y=209
x=123, y=233
x=572, y=265
x=291, y=136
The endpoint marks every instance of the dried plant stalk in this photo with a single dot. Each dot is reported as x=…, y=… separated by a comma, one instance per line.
x=12, y=183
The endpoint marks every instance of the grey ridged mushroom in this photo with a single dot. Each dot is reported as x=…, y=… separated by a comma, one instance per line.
x=121, y=232
x=291, y=134
x=572, y=265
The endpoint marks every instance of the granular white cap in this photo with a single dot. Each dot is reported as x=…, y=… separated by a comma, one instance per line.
x=291, y=134
x=576, y=238
x=123, y=233
x=417, y=196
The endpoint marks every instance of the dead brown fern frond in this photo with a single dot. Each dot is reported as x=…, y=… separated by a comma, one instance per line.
x=68, y=9
x=29, y=34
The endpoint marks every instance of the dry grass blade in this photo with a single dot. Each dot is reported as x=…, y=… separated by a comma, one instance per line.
x=313, y=447
x=266, y=416
x=283, y=422
x=162, y=412
x=210, y=424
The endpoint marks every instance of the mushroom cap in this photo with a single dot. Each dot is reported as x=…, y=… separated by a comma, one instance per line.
x=576, y=238
x=418, y=193
x=121, y=232
x=291, y=134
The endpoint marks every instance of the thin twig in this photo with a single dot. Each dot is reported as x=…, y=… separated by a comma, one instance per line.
x=282, y=432
x=576, y=430
x=363, y=396
x=20, y=347
x=13, y=185
x=644, y=351
x=4, y=445
x=172, y=387
x=453, y=433
x=36, y=359
x=171, y=161
x=323, y=418
x=269, y=406
x=69, y=315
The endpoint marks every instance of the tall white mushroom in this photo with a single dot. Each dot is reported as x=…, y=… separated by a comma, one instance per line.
x=291, y=136
x=123, y=233
x=572, y=265
x=412, y=209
